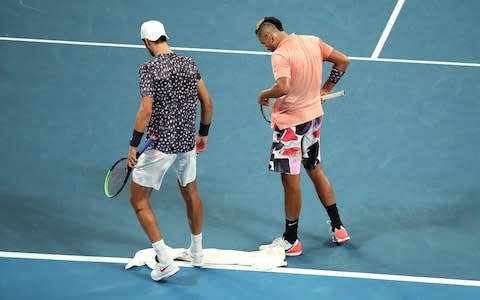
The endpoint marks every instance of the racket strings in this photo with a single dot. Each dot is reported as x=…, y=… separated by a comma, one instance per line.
x=117, y=177
x=267, y=110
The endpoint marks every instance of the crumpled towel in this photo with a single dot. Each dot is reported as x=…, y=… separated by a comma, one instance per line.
x=262, y=259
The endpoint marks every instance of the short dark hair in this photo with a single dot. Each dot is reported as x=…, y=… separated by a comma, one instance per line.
x=161, y=39
x=272, y=20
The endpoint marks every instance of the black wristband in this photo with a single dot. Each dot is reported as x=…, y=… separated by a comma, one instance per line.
x=335, y=75
x=203, y=131
x=136, y=138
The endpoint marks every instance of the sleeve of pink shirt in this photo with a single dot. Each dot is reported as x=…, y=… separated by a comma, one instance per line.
x=325, y=48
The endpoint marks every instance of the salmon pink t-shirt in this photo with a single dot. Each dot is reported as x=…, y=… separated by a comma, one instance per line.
x=300, y=58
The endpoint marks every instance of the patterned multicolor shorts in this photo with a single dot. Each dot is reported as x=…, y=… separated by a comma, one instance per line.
x=296, y=146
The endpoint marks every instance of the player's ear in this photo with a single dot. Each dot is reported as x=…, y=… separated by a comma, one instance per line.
x=271, y=37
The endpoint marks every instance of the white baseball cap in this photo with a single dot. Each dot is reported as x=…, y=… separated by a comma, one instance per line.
x=152, y=30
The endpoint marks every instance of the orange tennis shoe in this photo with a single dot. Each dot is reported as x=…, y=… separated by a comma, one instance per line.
x=340, y=235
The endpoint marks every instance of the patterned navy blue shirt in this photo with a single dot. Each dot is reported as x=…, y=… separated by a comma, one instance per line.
x=171, y=80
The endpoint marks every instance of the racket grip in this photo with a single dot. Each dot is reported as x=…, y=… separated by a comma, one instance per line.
x=333, y=95
x=147, y=144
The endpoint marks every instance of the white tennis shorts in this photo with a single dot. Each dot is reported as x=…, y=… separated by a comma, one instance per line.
x=153, y=165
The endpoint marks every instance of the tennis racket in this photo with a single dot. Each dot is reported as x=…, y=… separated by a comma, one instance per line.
x=118, y=174
x=267, y=109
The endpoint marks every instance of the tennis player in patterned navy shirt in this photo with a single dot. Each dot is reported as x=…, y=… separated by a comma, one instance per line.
x=170, y=88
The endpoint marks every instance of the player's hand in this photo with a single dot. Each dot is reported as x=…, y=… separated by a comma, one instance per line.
x=262, y=100
x=201, y=143
x=324, y=92
x=132, y=157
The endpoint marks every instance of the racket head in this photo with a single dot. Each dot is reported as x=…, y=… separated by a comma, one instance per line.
x=267, y=109
x=116, y=178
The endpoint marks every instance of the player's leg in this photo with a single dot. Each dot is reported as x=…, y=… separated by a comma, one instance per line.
x=286, y=159
x=148, y=174
x=326, y=195
x=193, y=205
x=293, y=205
x=140, y=201
x=323, y=187
x=185, y=166
x=292, y=195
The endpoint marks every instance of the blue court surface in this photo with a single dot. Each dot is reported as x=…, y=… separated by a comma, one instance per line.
x=401, y=150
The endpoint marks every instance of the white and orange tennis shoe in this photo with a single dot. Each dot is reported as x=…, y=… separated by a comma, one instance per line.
x=294, y=249
x=340, y=235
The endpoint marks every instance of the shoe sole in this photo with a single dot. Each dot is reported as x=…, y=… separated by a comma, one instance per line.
x=265, y=247
x=197, y=265
x=167, y=276
x=286, y=253
x=341, y=241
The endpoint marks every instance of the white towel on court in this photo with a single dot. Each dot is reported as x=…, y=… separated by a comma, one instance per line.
x=263, y=260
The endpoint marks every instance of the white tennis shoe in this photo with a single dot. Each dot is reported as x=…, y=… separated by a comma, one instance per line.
x=162, y=272
x=197, y=257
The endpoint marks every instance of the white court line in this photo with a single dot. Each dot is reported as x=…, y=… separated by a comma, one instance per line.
x=388, y=28
x=416, y=61
x=115, y=45
x=297, y=271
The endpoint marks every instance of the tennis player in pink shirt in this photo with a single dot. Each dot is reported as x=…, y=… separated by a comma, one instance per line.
x=297, y=64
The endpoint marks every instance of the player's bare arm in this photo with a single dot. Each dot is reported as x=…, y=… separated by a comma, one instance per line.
x=340, y=64
x=144, y=114
x=279, y=89
x=205, y=116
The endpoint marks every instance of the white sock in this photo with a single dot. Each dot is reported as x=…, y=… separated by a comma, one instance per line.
x=162, y=252
x=196, y=244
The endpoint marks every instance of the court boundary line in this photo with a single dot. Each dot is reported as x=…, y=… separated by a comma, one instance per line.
x=388, y=29
x=227, y=51
x=283, y=270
